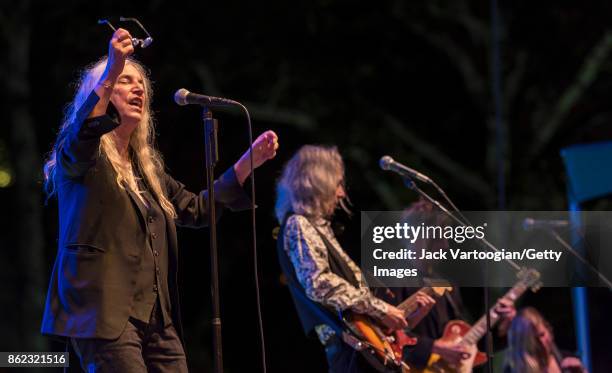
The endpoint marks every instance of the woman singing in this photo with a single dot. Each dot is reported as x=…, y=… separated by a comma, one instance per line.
x=113, y=290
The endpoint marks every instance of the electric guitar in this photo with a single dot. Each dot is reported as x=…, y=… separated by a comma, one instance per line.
x=460, y=333
x=367, y=333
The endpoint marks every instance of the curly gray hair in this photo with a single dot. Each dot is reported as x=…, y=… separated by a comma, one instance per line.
x=309, y=183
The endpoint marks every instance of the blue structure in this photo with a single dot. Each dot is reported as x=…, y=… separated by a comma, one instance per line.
x=589, y=176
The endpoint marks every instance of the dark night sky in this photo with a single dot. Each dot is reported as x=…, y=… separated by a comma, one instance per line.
x=343, y=69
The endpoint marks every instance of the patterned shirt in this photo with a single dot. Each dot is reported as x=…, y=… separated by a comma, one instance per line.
x=309, y=257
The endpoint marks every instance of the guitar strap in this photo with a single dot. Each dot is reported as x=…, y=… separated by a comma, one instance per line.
x=449, y=296
x=453, y=304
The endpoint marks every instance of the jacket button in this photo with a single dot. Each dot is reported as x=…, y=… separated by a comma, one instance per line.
x=153, y=235
x=155, y=288
x=156, y=253
x=151, y=219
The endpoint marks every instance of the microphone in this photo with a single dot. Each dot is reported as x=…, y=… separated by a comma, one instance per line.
x=388, y=164
x=530, y=224
x=184, y=97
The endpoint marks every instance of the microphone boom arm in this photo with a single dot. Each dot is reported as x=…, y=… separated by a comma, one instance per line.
x=412, y=185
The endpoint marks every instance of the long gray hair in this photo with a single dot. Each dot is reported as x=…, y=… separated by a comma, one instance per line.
x=309, y=182
x=141, y=142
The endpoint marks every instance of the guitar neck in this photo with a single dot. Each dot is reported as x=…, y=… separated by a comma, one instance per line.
x=410, y=304
x=480, y=327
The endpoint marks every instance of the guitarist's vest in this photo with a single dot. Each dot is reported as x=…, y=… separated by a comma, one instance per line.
x=312, y=313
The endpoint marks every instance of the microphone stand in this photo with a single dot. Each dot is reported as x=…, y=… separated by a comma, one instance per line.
x=489, y=335
x=489, y=339
x=573, y=251
x=412, y=185
x=212, y=156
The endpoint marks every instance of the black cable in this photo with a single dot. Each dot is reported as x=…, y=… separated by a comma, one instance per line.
x=450, y=202
x=254, y=228
x=500, y=134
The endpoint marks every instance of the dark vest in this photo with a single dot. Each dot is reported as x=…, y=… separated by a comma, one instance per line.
x=152, y=281
x=312, y=313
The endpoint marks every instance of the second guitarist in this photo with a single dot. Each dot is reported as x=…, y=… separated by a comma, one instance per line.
x=430, y=330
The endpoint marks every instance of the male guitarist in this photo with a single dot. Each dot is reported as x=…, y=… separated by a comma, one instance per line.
x=323, y=280
x=449, y=307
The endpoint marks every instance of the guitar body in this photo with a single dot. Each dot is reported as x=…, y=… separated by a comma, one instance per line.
x=455, y=330
x=388, y=347
x=453, y=333
x=385, y=345
x=460, y=332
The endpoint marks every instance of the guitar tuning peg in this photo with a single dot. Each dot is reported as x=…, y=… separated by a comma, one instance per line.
x=536, y=286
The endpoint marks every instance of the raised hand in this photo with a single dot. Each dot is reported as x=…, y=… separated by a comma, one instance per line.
x=119, y=48
x=264, y=148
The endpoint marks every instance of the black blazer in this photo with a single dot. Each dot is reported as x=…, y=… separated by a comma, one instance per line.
x=102, y=234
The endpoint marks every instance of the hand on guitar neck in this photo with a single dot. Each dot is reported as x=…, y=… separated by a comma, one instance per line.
x=424, y=304
x=506, y=311
x=394, y=319
x=397, y=318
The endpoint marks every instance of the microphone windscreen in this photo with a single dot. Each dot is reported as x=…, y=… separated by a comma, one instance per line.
x=180, y=97
x=385, y=162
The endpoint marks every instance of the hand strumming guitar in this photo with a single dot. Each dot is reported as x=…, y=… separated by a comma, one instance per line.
x=450, y=352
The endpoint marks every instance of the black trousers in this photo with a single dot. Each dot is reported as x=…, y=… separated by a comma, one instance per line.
x=140, y=348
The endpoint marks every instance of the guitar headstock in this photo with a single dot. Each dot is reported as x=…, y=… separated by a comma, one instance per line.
x=440, y=290
x=436, y=286
x=530, y=278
